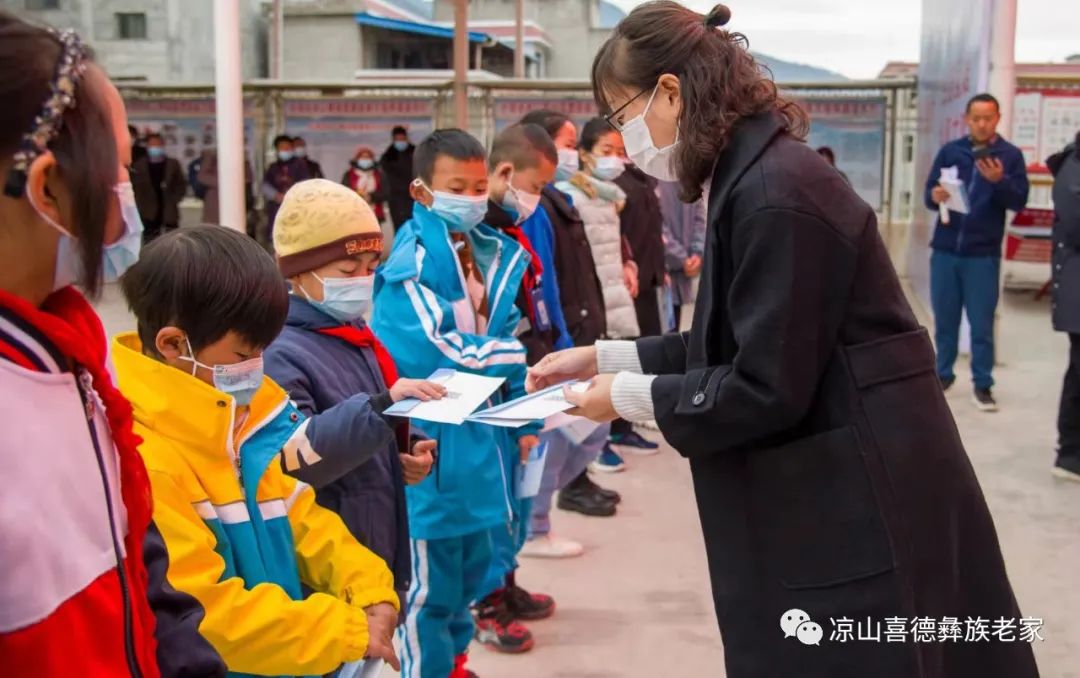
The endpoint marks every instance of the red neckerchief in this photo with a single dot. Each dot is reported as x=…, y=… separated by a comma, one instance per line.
x=536, y=268
x=69, y=322
x=365, y=338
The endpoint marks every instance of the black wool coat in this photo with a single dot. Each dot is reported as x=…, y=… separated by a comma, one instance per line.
x=1066, y=258
x=829, y=474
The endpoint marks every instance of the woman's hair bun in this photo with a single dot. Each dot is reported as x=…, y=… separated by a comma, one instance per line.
x=719, y=16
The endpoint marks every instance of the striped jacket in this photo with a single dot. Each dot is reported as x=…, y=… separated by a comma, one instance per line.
x=242, y=536
x=425, y=318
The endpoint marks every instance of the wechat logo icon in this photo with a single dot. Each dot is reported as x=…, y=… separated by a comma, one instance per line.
x=796, y=623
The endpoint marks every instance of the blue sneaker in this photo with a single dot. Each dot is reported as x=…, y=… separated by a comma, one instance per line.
x=633, y=443
x=609, y=462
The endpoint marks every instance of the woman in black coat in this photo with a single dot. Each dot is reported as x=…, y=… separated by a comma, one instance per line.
x=831, y=482
x=1066, y=169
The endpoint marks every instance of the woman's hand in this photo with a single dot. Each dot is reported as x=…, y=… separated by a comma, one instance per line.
x=416, y=388
x=555, y=368
x=629, y=272
x=417, y=465
x=595, y=402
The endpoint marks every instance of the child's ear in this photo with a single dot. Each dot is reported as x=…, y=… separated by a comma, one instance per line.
x=420, y=193
x=170, y=343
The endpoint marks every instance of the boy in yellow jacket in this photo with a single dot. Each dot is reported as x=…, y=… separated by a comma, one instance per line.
x=242, y=536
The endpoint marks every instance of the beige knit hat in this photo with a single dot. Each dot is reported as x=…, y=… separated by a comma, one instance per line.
x=320, y=222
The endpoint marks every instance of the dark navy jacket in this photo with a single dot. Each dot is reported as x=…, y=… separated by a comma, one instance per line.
x=340, y=385
x=980, y=232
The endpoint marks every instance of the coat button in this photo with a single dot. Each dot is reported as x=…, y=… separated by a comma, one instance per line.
x=584, y=313
x=1061, y=245
x=699, y=399
x=221, y=403
x=294, y=417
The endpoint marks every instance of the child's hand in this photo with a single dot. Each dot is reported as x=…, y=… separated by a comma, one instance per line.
x=416, y=388
x=525, y=445
x=382, y=619
x=416, y=466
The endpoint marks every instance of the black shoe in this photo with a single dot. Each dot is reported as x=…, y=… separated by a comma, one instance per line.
x=1067, y=467
x=586, y=503
x=610, y=495
x=496, y=628
x=947, y=382
x=528, y=606
x=984, y=400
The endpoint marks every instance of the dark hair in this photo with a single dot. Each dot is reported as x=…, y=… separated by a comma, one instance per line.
x=133, y=131
x=984, y=98
x=208, y=281
x=551, y=121
x=155, y=135
x=522, y=145
x=299, y=140
x=827, y=153
x=592, y=132
x=282, y=139
x=85, y=146
x=398, y=129
x=451, y=142
x=720, y=81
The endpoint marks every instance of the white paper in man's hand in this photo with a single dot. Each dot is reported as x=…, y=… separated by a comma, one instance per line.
x=958, y=199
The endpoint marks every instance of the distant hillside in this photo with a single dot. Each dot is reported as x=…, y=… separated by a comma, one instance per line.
x=787, y=71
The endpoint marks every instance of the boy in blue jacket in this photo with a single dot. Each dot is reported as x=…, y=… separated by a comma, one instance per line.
x=965, y=266
x=328, y=243
x=445, y=299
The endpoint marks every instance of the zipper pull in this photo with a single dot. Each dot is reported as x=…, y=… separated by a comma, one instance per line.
x=86, y=384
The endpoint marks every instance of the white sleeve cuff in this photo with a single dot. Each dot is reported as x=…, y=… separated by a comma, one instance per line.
x=631, y=395
x=617, y=356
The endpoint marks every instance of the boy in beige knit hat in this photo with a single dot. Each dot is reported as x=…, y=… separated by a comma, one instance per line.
x=328, y=243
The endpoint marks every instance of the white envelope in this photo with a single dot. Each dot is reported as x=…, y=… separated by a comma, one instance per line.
x=465, y=392
x=950, y=181
x=533, y=407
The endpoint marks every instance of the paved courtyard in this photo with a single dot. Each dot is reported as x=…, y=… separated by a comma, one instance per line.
x=637, y=604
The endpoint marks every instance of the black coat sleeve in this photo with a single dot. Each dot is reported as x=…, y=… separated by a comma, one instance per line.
x=792, y=277
x=181, y=651
x=664, y=354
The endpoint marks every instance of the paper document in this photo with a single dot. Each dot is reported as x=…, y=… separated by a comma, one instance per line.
x=950, y=181
x=369, y=668
x=527, y=476
x=533, y=407
x=464, y=393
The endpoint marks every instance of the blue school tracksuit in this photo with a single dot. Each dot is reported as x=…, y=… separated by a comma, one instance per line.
x=966, y=262
x=459, y=515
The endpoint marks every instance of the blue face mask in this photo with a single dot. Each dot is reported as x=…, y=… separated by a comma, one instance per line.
x=121, y=255
x=155, y=153
x=300, y=151
x=241, y=380
x=285, y=156
x=461, y=213
x=401, y=146
x=344, y=299
x=365, y=163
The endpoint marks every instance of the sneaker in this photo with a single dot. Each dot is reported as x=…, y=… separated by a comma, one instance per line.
x=459, y=668
x=546, y=546
x=528, y=606
x=1067, y=468
x=609, y=462
x=984, y=400
x=586, y=503
x=496, y=628
x=633, y=443
x=946, y=382
x=587, y=483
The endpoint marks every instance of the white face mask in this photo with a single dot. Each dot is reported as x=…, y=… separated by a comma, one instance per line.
x=240, y=380
x=344, y=299
x=569, y=163
x=651, y=160
x=519, y=204
x=608, y=168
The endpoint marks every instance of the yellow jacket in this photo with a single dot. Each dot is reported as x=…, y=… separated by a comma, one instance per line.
x=242, y=535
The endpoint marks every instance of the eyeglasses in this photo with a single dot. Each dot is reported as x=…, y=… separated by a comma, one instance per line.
x=610, y=118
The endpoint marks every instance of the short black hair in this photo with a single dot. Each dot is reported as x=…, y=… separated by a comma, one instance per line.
x=984, y=98
x=398, y=129
x=208, y=281
x=133, y=131
x=551, y=121
x=154, y=135
x=282, y=138
x=523, y=146
x=299, y=140
x=592, y=132
x=828, y=154
x=454, y=143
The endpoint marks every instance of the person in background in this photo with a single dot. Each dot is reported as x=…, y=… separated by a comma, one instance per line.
x=207, y=178
x=965, y=267
x=830, y=157
x=433, y=310
x=94, y=581
x=280, y=176
x=338, y=374
x=314, y=169
x=521, y=163
x=243, y=538
x=368, y=181
x=582, y=302
x=138, y=148
x=159, y=185
x=397, y=166
x=1066, y=301
x=684, y=243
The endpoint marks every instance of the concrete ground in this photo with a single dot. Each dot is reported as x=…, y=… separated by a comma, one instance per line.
x=638, y=604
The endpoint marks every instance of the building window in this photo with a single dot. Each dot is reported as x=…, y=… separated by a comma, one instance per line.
x=38, y=5
x=131, y=26
x=909, y=147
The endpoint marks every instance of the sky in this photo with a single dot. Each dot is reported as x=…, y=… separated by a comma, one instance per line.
x=858, y=37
